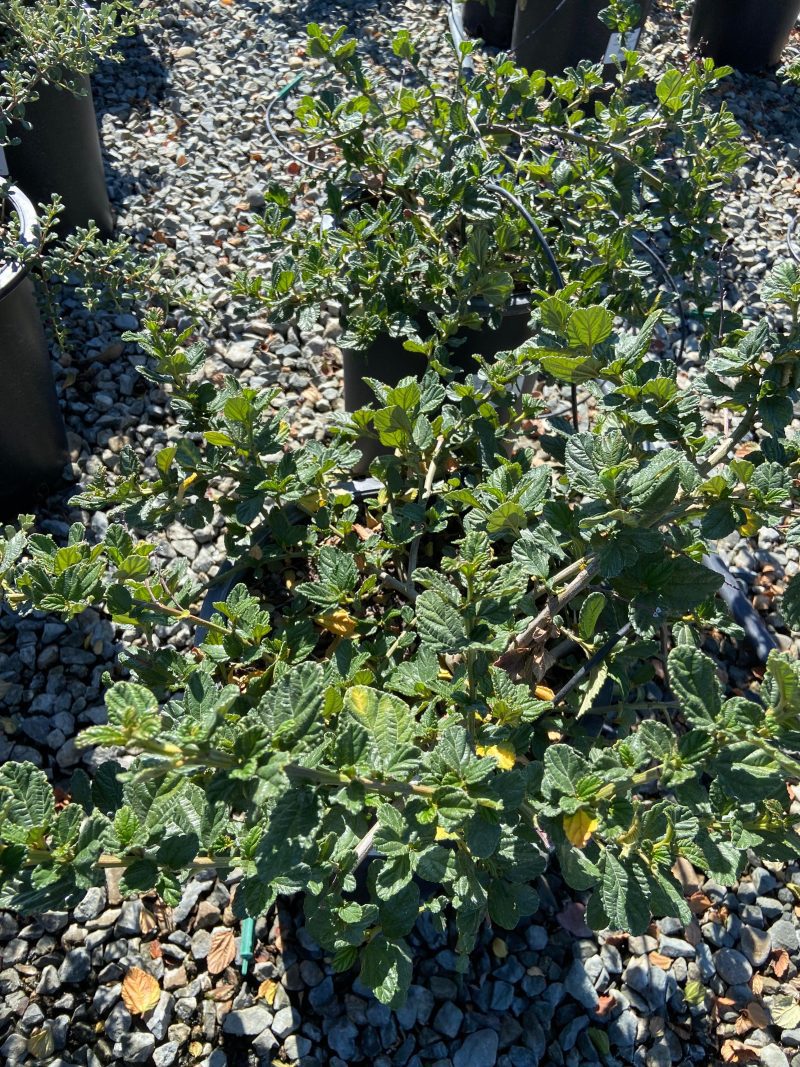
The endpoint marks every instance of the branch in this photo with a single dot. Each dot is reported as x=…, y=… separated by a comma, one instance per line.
x=426, y=492
x=526, y=639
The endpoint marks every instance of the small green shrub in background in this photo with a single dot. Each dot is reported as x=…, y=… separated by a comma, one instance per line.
x=421, y=239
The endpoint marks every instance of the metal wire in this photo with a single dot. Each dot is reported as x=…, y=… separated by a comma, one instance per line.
x=271, y=130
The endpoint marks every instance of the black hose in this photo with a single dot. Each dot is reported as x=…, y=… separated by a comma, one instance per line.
x=671, y=281
x=742, y=610
x=552, y=263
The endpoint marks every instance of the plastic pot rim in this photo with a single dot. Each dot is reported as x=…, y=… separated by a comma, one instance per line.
x=11, y=274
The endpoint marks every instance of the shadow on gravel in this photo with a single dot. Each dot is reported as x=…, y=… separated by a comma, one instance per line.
x=132, y=85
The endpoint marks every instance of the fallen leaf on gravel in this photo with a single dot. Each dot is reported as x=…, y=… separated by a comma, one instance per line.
x=657, y=960
x=499, y=948
x=686, y=875
x=757, y=984
x=737, y=1052
x=225, y=991
x=780, y=962
x=267, y=990
x=140, y=991
x=195, y=1049
x=40, y=1044
x=785, y=1012
x=758, y=1014
x=699, y=903
x=147, y=922
x=694, y=992
x=222, y=951
x=155, y=950
x=605, y=1002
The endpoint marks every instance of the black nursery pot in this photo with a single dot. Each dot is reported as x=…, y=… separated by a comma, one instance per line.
x=388, y=362
x=495, y=28
x=551, y=35
x=61, y=154
x=33, y=441
x=746, y=34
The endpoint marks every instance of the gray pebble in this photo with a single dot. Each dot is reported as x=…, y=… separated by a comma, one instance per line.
x=137, y=1046
x=478, y=1050
x=246, y=1022
x=756, y=945
x=732, y=966
x=76, y=967
x=784, y=935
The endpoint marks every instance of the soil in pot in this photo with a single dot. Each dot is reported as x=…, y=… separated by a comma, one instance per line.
x=551, y=35
x=61, y=154
x=746, y=34
x=33, y=441
x=493, y=27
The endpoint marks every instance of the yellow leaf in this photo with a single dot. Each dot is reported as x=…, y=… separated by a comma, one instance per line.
x=445, y=835
x=311, y=502
x=694, y=992
x=544, y=692
x=499, y=948
x=267, y=990
x=751, y=525
x=222, y=951
x=338, y=622
x=580, y=827
x=504, y=754
x=140, y=991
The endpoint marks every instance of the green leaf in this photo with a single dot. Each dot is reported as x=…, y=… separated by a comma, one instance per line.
x=589, y=327
x=386, y=969
x=670, y=89
x=389, y=724
x=591, y=610
x=694, y=679
x=564, y=768
x=508, y=517
x=139, y=876
x=624, y=902
x=440, y=624
x=26, y=802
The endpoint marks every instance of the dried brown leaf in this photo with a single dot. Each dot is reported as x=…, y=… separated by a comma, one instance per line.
x=140, y=991
x=758, y=1015
x=222, y=951
x=737, y=1052
x=658, y=960
x=780, y=962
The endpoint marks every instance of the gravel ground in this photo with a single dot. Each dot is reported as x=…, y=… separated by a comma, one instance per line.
x=182, y=122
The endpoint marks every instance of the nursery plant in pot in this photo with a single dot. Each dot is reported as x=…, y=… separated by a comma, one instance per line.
x=744, y=33
x=47, y=116
x=491, y=20
x=33, y=442
x=441, y=200
x=410, y=675
x=553, y=35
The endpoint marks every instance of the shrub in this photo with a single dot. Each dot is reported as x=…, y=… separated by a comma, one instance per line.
x=416, y=671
